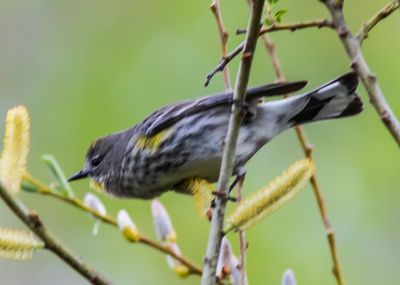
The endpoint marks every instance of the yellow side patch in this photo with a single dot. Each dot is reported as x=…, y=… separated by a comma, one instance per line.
x=97, y=186
x=202, y=193
x=152, y=143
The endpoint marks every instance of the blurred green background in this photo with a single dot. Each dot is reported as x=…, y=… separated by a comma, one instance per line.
x=88, y=68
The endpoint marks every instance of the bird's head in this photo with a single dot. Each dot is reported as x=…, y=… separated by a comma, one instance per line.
x=99, y=160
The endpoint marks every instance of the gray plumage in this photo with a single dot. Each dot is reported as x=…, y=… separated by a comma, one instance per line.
x=193, y=132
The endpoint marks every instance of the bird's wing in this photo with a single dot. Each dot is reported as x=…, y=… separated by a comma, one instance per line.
x=167, y=116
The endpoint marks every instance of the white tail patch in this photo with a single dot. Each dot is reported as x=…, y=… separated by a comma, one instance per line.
x=335, y=107
x=333, y=89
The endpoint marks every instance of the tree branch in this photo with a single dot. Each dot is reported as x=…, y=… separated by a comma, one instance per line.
x=33, y=221
x=374, y=20
x=292, y=26
x=216, y=9
x=367, y=27
x=242, y=237
x=307, y=149
x=44, y=190
x=359, y=64
x=215, y=236
x=223, y=35
x=273, y=28
x=224, y=62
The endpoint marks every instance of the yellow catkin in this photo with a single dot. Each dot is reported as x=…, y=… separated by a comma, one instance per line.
x=268, y=199
x=131, y=234
x=18, y=244
x=14, y=156
x=202, y=193
x=181, y=270
x=172, y=236
x=152, y=143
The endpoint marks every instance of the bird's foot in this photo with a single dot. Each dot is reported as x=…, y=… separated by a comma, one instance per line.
x=238, y=179
x=222, y=196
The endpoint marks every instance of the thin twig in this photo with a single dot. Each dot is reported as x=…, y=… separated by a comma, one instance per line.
x=352, y=46
x=44, y=190
x=307, y=149
x=215, y=236
x=242, y=237
x=223, y=35
x=271, y=48
x=224, y=61
x=33, y=221
x=374, y=20
x=292, y=26
x=275, y=27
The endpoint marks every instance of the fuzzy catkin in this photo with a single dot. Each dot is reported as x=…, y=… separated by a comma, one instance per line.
x=268, y=199
x=14, y=156
x=18, y=244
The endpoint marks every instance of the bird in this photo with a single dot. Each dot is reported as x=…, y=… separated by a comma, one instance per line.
x=183, y=142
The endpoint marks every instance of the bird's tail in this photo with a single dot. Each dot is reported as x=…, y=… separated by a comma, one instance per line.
x=335, y=99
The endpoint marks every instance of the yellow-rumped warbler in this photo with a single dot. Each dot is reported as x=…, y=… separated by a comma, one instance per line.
x=185, y=140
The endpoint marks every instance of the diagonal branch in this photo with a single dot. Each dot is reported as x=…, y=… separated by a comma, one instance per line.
x=33, y=221
x=44, y=190
x=352, y=46
x=374, y=20
x=215, y=236
x=224, y=62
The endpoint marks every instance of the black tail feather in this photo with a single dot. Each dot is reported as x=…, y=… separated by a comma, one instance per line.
x=355, y=107
x=333, y=100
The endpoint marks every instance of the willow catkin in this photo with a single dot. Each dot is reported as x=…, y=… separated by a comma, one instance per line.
x=14, y=156
x=270, y=198
x=18, y=244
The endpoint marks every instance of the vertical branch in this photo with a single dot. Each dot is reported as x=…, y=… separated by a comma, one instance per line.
x=215, y=236
x=352, y=46
x=307, y=149
x=216, y=9
x=242, y=238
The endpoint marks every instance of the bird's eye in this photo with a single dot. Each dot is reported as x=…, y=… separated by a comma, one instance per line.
x=96, y=161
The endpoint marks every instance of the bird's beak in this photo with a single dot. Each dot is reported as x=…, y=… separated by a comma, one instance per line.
x=79, y=175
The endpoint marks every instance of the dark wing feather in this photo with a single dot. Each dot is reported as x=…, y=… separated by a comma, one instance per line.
x=167, y=116
x=274, y=89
